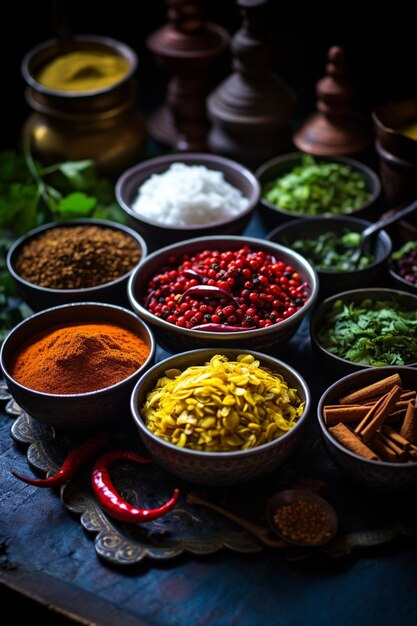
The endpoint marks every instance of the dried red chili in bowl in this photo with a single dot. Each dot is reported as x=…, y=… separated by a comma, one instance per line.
x=225, y=289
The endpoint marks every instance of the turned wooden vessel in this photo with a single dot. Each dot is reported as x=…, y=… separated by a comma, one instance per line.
x=251, y=110
x=335, y=129
x=188, y=47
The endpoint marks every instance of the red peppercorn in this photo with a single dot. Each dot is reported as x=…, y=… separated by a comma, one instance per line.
x=265, y=290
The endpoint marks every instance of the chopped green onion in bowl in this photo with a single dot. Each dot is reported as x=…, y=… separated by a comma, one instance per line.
x=318, y=188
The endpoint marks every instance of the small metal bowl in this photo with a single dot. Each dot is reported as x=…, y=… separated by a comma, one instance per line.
x=379, y=475
x=40, y=298
x=218, y=468
x=158, y=234
x=331, y=282
x=81, y=410
x=281, y=165
x=338, y=365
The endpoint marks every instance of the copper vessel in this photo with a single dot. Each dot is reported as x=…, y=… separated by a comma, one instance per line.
x=102, y=124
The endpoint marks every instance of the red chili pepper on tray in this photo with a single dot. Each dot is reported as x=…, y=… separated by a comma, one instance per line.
x=112, y=502
x=72, y=464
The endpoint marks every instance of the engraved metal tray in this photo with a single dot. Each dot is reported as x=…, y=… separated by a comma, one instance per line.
x=366, y=519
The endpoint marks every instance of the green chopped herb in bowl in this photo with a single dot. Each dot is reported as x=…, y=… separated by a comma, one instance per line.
x=315, y=187
x=333, y=252
x=328, y=243
x=299, y=185
x=368, y=327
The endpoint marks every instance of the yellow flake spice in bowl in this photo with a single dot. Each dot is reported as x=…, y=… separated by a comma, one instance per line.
x=84, y=70
x=222, y=406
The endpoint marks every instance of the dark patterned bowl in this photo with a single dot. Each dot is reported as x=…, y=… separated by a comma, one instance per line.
x=176, y=338
x=378, y=475
x=218, y=468
x=398, y=281
x=332, y=282
x=40, y=298
x=336, y=364
x=80, y=410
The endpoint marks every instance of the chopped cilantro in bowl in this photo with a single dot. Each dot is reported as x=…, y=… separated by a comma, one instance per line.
x=368, y=327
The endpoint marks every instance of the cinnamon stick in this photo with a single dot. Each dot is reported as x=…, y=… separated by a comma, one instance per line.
x=383, y=449
x=408, y=395
x=402, y=404
x=371, y=391
x=395, y=416
x=349, y=440
x=399, y=451
x=335, y=413
x=378, y=413
x=409, y=425
x=397, y=438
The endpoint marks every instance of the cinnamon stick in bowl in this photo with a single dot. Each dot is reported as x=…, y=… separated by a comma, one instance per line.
x=362, y=418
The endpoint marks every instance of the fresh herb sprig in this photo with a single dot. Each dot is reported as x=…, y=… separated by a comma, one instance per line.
x=12, y=311
x=31, y=195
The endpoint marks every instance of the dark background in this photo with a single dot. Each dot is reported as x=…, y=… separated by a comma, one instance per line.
x=381, y=47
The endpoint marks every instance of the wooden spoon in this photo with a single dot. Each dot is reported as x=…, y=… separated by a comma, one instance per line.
x=264, y=535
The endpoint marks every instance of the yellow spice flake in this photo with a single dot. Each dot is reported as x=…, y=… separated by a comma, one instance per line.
x=222, y=406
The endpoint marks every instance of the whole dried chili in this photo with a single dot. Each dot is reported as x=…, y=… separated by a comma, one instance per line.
x=72, y=464
x=210, y=291
x=112, y=502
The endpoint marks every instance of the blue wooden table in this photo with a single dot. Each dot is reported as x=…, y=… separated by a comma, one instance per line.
x=46, y=555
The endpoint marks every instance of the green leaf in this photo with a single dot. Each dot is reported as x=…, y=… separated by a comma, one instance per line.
x=18, y=204
x=111, y=212
x=81, y=174
x=13, y=167
x=76, y=205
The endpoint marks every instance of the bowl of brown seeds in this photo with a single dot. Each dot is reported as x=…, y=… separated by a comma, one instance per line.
x=75, y=261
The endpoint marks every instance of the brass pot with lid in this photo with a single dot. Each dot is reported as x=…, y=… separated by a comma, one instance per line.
x=99, y=122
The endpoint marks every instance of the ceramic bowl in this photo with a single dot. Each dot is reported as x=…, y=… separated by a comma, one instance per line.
x=40, y=298
x=342, y=366
x=80, y=410
x=218, y=468
x=279, y=166
x=379, y=475
x=332, y=282
x=158, y=234
x=178, y=338
x=397, y=281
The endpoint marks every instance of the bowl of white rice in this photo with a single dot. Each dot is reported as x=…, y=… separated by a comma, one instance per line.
x=180, y=196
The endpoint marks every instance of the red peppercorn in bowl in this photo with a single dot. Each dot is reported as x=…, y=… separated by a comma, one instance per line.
x=234, y=291
x=403, y=267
